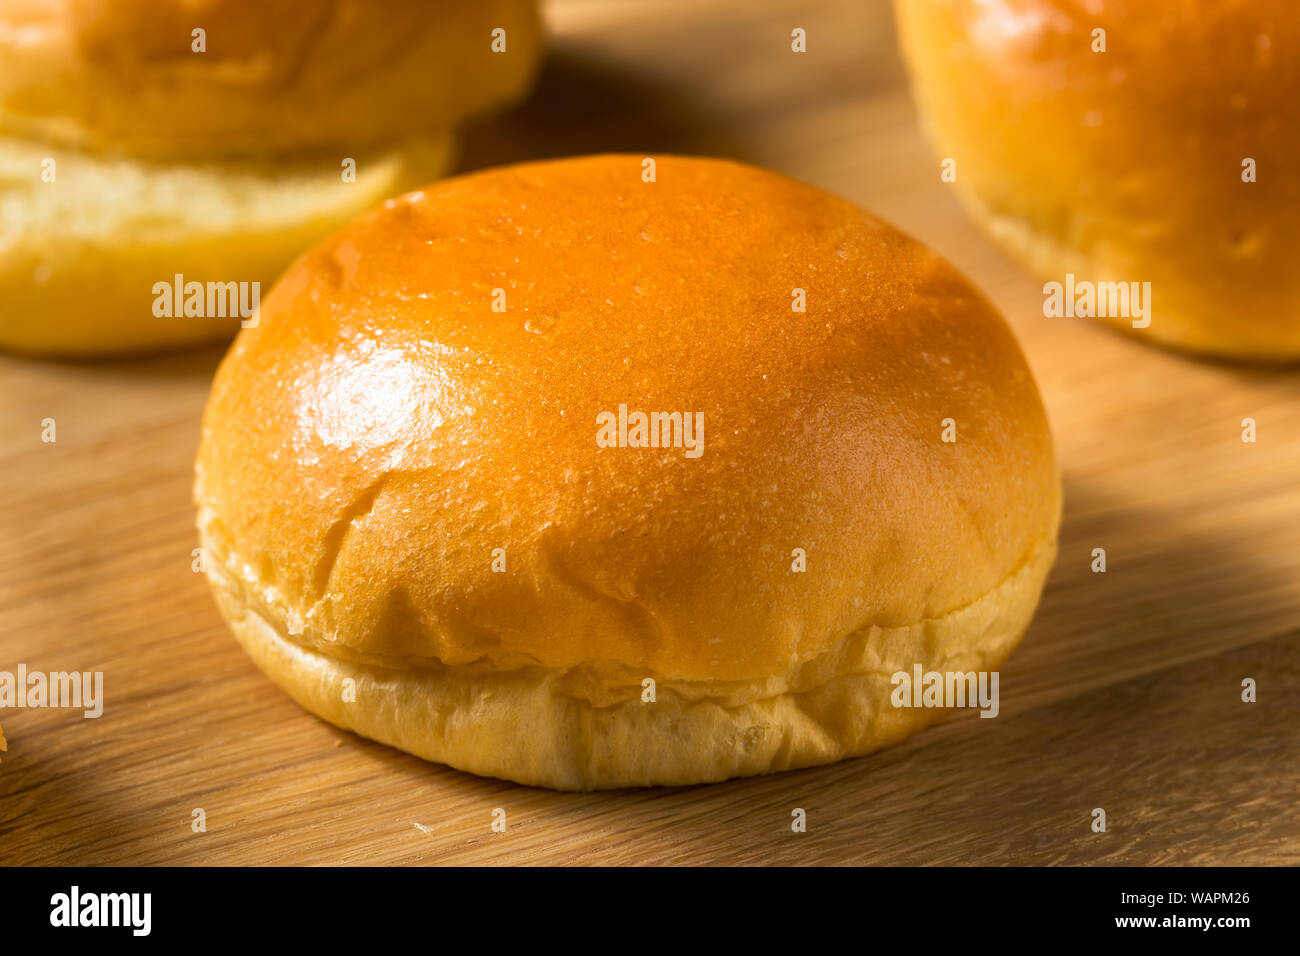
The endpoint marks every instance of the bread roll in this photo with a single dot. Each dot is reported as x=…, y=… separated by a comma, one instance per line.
x=420, y=520
x=128, y=157
x=274, y=76
x=1127, y=165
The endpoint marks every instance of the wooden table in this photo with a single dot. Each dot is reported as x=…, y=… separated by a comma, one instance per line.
x=1125, y=695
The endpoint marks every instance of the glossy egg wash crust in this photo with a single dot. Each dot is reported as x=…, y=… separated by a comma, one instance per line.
x=411, y=525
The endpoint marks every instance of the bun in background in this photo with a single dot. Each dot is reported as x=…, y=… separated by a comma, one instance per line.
x=127, y=158
x=1126, y=165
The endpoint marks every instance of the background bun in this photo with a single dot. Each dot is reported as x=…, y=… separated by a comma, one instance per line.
x=1126, y=165
x=79, y=258
x=383, y=435
x=127, y=159
x=277, y=75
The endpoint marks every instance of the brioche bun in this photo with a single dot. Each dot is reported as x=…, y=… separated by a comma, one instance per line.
x=401, y=487
x=1127, y=165
x=127, y=159
x=276, y=76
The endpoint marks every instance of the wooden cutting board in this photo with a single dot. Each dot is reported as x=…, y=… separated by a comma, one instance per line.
x=1126, y=694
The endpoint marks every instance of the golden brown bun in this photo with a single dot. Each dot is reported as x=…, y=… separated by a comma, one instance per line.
x=221, y=166
x=1127, y=165
x=277, y=75
x=382, y=431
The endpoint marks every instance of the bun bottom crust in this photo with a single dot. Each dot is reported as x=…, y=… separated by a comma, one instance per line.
x=571, y=731
x=1186, y=320
x=79, y=256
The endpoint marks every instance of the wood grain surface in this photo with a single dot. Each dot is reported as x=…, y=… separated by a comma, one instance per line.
x=1126, y=694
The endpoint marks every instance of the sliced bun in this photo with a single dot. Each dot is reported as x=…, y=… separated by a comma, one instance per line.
x=80, y=257
x=129, y=157
x=275, y=76
x=401, y=486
